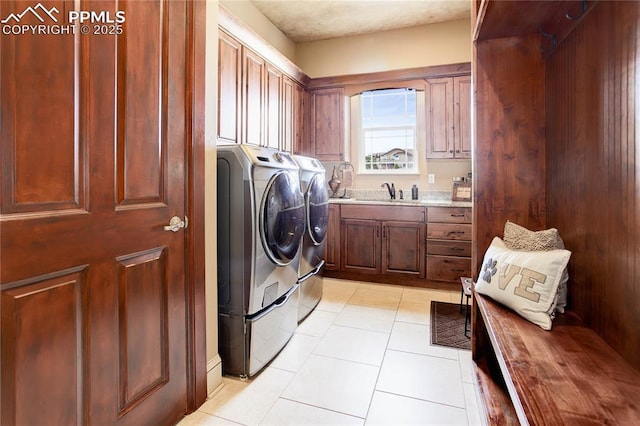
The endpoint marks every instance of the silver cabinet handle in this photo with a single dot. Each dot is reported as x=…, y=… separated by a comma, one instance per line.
x=175, y=224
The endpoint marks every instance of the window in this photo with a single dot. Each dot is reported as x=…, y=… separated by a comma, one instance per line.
x=388, y=131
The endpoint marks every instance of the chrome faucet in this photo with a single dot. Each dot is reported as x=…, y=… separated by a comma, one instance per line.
x=392, y=190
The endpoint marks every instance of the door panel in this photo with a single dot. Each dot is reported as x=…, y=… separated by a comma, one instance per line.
x=141, y=100
x=404, y=248
x=93, y=166
x=229, y=84
x=361, y=245
x=42, y=337
x=462, y=128
x=142, y=320
x=253, y=94
x=38, y=182
x=273, y=87
x=439, y=122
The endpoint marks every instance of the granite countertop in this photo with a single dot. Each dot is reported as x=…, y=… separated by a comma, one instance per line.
x=428, y=198
x=405, y=202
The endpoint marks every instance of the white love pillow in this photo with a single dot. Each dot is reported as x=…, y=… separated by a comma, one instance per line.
x=525, y=281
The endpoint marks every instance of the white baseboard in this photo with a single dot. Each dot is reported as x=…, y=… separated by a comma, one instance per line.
x=214, y=374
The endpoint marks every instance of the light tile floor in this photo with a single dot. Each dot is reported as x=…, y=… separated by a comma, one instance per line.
x=362, y=357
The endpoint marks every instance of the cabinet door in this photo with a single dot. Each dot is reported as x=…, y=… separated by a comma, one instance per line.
x=403, y=248
x=288, y=114
x=229, y=74
x=273, y=96
x=301, y=127
x=328, y=124
x=462, y=117
x=253, y=92
x=360, y=246
x=332, y=252
x=439, y=120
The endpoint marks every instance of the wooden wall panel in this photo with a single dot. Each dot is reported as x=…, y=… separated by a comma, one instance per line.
x=39, y=141
x=593, y=184
x=142, y=105
x=509, y=151
x=142, y=320
x=42, y=339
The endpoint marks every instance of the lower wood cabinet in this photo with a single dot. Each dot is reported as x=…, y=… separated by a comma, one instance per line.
x=383, y=247
x=408, y=245
x=386, y=240
x=448, y=243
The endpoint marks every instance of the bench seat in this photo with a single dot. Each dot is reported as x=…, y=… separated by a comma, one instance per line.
x=568, y=375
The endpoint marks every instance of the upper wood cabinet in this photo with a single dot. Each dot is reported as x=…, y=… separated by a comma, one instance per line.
x=257, y=103
x=273, y=107
x=448, y=106
x=292, y=116
x=229, y=87
x=327, y=125
x=253, y=90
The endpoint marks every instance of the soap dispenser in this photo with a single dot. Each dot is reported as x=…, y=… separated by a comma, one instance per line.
x=414, y=192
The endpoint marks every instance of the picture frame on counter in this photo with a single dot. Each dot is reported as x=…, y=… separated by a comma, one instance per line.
x=461, y=191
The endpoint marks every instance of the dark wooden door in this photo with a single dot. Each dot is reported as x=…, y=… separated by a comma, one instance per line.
x=360, y=246
x=93, y=139
x=403, y=251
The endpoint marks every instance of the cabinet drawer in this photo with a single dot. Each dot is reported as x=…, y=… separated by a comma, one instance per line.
x=376, y=212
x=449, y=231
x=449, y=248
x=449, y=214
x=444, y=268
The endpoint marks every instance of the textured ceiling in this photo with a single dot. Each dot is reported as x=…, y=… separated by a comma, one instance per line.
x=310, y=20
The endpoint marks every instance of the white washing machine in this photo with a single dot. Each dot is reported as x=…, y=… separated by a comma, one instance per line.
x=314, y=188
x=261, y=220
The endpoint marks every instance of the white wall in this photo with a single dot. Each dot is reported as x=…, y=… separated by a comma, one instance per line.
x=253, y=18
x=425, y=45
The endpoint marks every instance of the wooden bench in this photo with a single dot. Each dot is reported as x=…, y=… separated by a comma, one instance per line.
x=566, y=376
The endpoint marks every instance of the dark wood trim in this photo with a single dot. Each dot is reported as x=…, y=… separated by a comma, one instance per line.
x=237, y=29
x=194, y=257
x=498, y=19
x=449, y=70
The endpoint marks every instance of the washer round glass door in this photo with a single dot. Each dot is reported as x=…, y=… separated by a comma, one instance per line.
x=282, y=218
x=317, y=209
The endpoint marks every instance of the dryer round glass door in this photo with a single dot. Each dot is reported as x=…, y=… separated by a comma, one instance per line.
x=317, y=209
x=282, y=218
